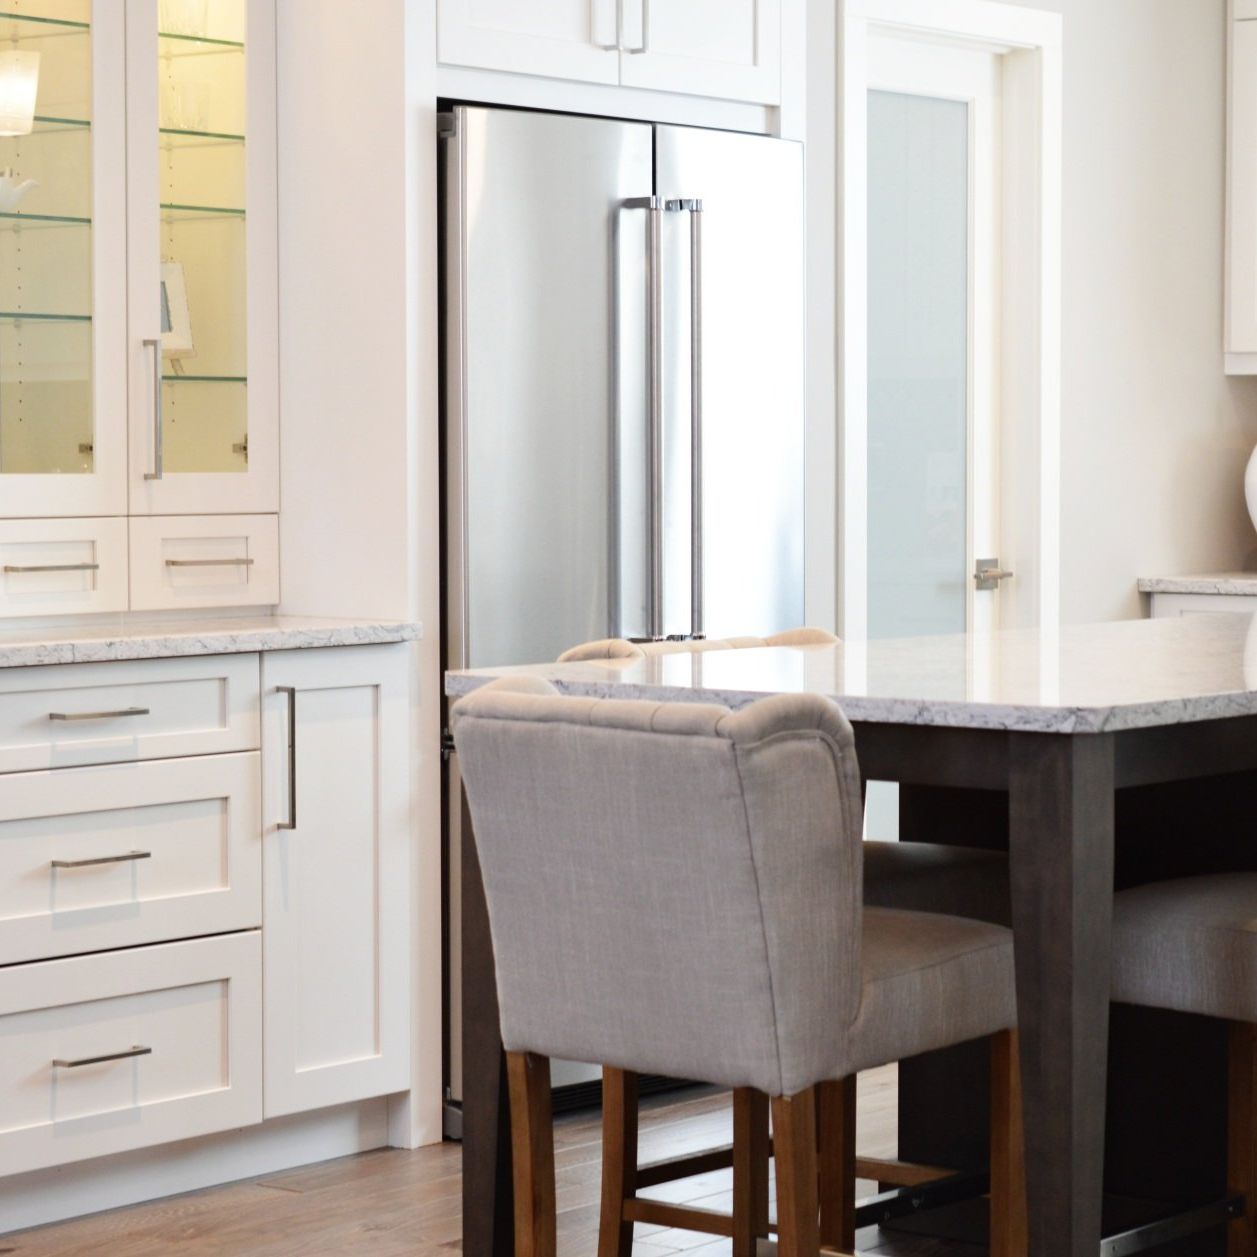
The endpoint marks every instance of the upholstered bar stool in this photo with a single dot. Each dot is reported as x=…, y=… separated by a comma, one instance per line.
x=676, y=889
x=1191, y=945
x=925, y=877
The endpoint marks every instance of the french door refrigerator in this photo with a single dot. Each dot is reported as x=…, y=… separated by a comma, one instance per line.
x=623, y=317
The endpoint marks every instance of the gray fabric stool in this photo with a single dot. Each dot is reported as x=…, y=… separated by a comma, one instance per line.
x=1191, y=945
x=677, y=889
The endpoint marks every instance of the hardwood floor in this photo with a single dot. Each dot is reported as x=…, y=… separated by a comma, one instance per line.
x=408, y=1204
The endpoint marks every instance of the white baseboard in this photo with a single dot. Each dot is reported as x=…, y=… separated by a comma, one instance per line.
x=44, y=1196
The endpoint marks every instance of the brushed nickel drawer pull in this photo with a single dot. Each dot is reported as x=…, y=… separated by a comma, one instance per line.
x=210, y=562
x=98, y=715
x=102, y=859
x=52, y=567
x=100, y=1060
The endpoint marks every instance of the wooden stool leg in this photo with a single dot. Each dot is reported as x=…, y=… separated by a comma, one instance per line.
x=619, y=1161
x=750, y=1169
x=836, y=1146
x=1241, y=1154
x=532, y=1146
x=1009, y=1225
x=794, y=1142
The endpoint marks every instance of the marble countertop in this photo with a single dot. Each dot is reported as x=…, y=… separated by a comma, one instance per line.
x=1215, y=583
x=1084, y=679
x=136, y=637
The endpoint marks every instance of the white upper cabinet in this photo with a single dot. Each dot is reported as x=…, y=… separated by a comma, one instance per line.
x=727, y=49
x=1241, y=201
x=202, y=246
x=63, y=262
x=563, y=39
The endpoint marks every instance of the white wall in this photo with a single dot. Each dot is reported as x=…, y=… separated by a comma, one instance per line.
x=1154, y=436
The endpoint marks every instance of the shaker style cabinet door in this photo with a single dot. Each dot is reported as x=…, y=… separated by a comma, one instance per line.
x=561, y=39
x=202, y=249
x=62, y=259
x=335, y=875
x=729, y=49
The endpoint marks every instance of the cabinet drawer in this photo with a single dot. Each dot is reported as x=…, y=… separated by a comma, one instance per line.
x=62, y=566
x=98, y=713
x=187, y=1016
x=204, y=561
x=94, y=858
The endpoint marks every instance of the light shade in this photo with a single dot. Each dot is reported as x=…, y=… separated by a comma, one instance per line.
x=19, y=85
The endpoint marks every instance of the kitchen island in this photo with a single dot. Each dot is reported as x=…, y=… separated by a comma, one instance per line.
x=1051, y=743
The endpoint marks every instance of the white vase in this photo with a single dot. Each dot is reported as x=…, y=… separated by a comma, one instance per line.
x=1250, y=487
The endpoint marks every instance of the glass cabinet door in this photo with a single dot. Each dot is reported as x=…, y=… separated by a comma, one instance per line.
x=203, y=256
x=62, y=263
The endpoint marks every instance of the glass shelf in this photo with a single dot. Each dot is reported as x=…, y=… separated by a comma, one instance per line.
x=11, y=316
x=172, y=45
x=61, y=22
x=15, y=222
x=205, y=379
x=180, y=132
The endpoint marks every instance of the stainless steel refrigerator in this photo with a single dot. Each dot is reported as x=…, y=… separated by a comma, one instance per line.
x=623, y=392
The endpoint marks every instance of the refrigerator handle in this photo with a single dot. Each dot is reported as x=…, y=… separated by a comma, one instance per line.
x=654, y=207
x=695, y=209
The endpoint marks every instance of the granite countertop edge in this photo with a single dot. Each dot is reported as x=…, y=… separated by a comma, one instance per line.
x=147, y=640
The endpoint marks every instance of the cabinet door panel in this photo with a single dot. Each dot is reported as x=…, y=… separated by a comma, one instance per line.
x=565, y=39
x=202, y=247
x=336, y=919
x=63, y=265
x=729, y=49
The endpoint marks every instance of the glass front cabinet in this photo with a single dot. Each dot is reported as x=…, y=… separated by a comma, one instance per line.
x=138, y=304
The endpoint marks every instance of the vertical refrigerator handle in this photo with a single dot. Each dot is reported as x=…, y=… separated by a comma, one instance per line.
x=694, y=208
x=654, y=207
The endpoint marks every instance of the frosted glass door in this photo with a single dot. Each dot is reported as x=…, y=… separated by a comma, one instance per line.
x=62, y=289
x=918, y=364
x=205, y=132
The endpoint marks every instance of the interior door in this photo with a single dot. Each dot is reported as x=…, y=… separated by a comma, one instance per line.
x=565, y=39
x=934, y=124
x=729, y=49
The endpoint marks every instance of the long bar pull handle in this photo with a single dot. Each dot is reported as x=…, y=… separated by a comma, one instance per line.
x=210, y=562
x=696, y=419
x=291, y=692
x=644, y=46
x=98, y=715
x=154, y=343
x=101, y=859
x=618, y=46
x=655, y=208
x=52, y=567
x=100, y=1060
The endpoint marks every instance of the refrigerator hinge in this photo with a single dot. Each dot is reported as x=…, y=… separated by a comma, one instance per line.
x=446, y=126
x=447, y=744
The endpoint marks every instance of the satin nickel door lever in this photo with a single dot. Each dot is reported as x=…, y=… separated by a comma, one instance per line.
x=988, y=574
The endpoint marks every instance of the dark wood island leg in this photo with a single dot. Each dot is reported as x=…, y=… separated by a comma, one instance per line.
x=488, y=1195
x=1061, y=807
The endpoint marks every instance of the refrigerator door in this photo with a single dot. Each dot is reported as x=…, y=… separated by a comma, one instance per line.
x=751, y=331
x=536, y=239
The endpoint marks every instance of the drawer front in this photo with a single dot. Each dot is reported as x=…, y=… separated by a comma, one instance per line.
x=68, y=715
x=204, y=561
x=182, y=1022
x=62, y=566
x=94, y=858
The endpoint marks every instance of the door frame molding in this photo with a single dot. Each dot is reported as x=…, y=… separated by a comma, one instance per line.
x=1030, y=42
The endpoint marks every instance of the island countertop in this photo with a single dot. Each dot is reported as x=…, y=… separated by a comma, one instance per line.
x=137, y=637
x=1100, y=678
x=1234, y=583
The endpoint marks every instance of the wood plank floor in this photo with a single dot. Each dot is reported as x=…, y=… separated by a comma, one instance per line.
x=408, y=1204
